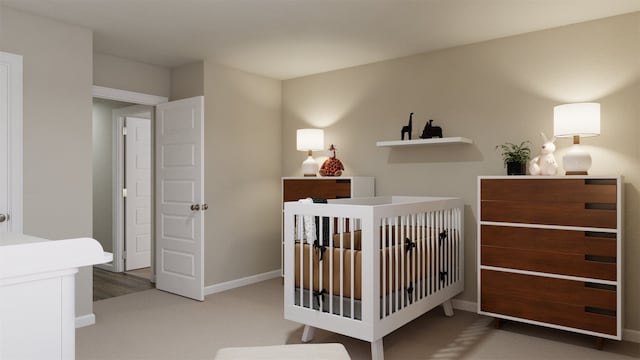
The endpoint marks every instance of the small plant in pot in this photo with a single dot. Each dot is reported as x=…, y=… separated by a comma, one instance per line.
x=515, y=157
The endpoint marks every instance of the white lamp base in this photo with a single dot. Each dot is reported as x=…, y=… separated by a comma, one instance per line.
x=310, y=167
x=576, y=161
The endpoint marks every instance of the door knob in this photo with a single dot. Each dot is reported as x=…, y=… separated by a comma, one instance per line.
x=4, y=217
x=205, y=206
x=195, y=207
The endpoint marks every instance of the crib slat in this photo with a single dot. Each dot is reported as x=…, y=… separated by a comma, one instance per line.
x=396, y=261
x=341, y=229
x=310, y=251
x=432, y=250
x=423, y=255
x=440, y=248
x=383, y=251
x=400, y=292
x=299, y=221
x=330, y=250
x=459, y=243
x=352, y=253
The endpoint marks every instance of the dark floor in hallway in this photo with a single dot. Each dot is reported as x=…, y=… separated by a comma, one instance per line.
x=107, y=284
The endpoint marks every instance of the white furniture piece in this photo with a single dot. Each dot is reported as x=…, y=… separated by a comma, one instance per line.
x=37, y=297
x=329, y=187
x=550, y=252
x=364, y=267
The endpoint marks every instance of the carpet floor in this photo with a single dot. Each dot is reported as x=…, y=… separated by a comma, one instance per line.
x=156, y=325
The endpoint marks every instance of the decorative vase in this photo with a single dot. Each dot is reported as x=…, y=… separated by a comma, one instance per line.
x=516, y=168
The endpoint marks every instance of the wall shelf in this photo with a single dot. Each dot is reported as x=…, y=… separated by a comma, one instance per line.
x=434, y=141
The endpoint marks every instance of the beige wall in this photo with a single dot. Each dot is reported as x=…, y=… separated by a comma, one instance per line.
x=187, y=81
x=242, y=174
x=491, y=92
x=124, y=74
x=102, y=120
x=57, y=76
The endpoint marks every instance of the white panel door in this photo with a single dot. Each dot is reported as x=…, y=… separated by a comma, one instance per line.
x=138, y=200
x=10, y=142
x=179, y=197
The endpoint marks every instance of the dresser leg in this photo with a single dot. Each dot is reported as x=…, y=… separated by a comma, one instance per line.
x=599, y=343
x=496, y=323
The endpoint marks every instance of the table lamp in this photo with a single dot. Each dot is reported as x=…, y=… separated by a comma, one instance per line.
x=309, y=140
x=576, y=120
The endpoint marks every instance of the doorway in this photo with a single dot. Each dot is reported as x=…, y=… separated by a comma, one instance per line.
x=177, y=260
x=122, y=195
x=112, y=106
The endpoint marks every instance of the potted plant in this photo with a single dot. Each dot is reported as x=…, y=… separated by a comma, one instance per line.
x=515, y=157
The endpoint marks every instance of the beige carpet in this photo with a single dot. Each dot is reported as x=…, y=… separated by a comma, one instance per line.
x=157, y=325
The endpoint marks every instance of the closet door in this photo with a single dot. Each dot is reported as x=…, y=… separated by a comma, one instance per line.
x=10, y=142
x=138, y=185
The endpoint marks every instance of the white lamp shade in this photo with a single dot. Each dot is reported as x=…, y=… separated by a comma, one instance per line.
x=582, y=119
x=310, y=139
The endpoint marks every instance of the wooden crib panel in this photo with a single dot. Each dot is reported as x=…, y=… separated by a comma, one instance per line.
x=326, y=264
x=346, y=237
x=305, y=267
x=390, y=282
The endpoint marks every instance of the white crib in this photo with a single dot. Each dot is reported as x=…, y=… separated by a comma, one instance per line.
x=364, y=267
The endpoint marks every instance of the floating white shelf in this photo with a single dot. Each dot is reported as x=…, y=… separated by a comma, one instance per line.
x=446, y=140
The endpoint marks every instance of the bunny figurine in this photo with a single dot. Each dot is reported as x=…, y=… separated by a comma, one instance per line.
x=545, y=163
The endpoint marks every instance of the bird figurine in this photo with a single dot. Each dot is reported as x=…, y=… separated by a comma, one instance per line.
x=331, y=166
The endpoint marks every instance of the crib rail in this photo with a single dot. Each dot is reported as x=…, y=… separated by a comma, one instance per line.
x=352, y=263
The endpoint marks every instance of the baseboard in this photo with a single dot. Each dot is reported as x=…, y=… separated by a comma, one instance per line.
x=107, y=266
x=631, y=335
x=627, y=334
x=464, y=305
x=228, y=285
x=85, y=320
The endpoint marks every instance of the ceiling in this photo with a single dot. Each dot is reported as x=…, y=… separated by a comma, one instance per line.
x=285, y=39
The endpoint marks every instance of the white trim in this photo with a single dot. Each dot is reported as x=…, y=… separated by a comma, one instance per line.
x=15, y=113
x=107, y=266
x=228, y=285
x=127, y=96
x=464, y=305
x=85, y=320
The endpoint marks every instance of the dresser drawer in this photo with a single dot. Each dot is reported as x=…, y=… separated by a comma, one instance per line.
x=596, y=191
x=566, y=252
x=586, y=306
x=549, y=213
x=296, y=189
x=566, y=202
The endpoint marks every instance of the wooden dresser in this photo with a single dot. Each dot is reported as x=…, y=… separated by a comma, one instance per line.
x=296, y=188
x=550, y=252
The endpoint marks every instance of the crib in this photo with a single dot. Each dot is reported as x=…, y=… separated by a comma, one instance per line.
x=363, y=267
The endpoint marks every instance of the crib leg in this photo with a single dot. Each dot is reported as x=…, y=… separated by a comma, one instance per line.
x=377, y=350
x=448, y=308
x=307, y=333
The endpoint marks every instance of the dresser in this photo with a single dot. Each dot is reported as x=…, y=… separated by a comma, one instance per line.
x=37, y=294
x=550, y=252
x=296, y=188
